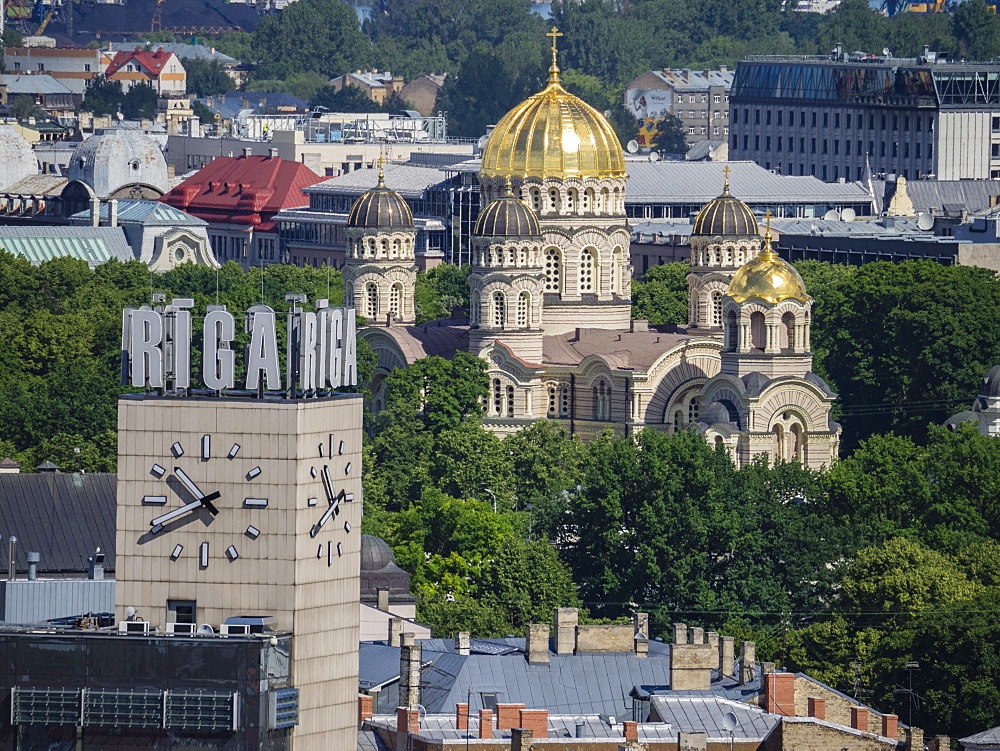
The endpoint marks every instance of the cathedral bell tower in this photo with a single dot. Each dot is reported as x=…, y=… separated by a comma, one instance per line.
x=508, y=279
x=725, y=236
x=380, y=270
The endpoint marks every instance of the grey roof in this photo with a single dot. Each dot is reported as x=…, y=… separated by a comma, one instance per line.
x=150, y=213
x=700, y=182
x=649, y=232
x=704, y=714
x=368, y=740
x=35, y=84
x=694, y=80
x=230, y=104
x=701, y=149
x=183, y=51
x=64, y=517
x=986, y=739
x=406, y=179
x=95, y=245
x=378, y=664
x=38, y=185
x=973, y=195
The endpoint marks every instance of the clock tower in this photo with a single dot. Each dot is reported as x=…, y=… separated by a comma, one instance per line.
x=248, y=504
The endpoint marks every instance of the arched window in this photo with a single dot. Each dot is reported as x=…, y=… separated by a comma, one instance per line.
x=605, y=201
x=694, y=409
x=553, y=270
x=788, y=331
x=553, y=199
x=553, y=403
x=732, y=331
x=602, y=400
x=499, y=309
x=716, y=300
x=571, y=199
x=497, y=396
x=588, y=271
x=475, y=314
x=510, y=401
x=616, y=272
x=795, y=443
x=588, y=200
x=758, y=331
x=396, y=299
x=778, y=443
x=371, y=299
x=536, y=199
x=718, y=441
x=523, y=306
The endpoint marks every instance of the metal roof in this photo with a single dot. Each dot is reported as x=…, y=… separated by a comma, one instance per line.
x=183, y=51
x=64, y=517
x=95, y=245
x=987, y=738
x=973, y=195
x=34, y=84
x=705, y=714
x=133, y=211
x=406, y=179
x=368, y=740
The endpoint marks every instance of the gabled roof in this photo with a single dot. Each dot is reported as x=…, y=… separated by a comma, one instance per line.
x=705, y=714
x=95, y=245
x=149, y=213
x=986, y=739
x=243, y=190
x=64, y=517
x=152, y=62
x=41, y=83
x=183, y=51
x=410, y=181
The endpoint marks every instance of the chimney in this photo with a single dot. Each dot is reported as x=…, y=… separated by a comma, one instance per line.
x=113, y=212
x=366, y=706
x=680, y=633
x=9, y=467
x=245, y=102
x=536, y=721
x=817, y=707
x=712, y=640
x=95, y=565
x=463, y=642
x=566, y=622
x=410, y=656
x=461, y=716
x=485, y=723
x=95, y=212
x=638, y=325
x=727, y=655
x=33, y=559
x=890, y=729
x=692, y=741
x=247, y=151
x=382, y=600
x=859, y=718
x=395, y=631
x=407, y=720
x=508, y=716
x=631, y=730
x=640, y=622
x=779, y=694
x=697, y=635
x=748, y=656
x=520, y=739
x=272, y=153
x=11, y=552
x=641, y=645
x=537, y=643
x=914, y=739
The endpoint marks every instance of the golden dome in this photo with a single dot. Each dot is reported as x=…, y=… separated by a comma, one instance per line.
x=769, y=277
x=553, y=134
x=380, y=208
x=508, y=216
x=725, y=216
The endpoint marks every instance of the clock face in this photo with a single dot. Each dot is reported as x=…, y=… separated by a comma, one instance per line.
x=190, y=495
x=328, y=474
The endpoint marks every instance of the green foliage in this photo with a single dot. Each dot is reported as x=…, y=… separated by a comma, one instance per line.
x=661, y=296
x=106, y=97
x=207, y=77
x=23, y=106
x=440, y=290
x=304, y=85
x=348, y=99
x=309, y=35
x=202, y=112
x=977, y=30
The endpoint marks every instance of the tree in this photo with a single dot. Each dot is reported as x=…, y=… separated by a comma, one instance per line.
x=348, y=99
x=23, y=107
x=855, y=25
x=140, y=102
x=669, y=137
x=207, y=77
x=102, y=96
x=309, y=35
x=202, y=112
x=661, y=296
x=976, y=29
x=440, y=290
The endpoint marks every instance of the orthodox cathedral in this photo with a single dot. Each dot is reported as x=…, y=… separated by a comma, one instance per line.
x=550, y=308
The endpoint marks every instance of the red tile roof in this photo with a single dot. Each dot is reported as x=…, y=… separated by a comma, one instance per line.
x=153, y=62
x=246, y=190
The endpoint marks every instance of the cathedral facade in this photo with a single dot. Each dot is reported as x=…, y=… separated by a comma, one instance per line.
x=550, y=307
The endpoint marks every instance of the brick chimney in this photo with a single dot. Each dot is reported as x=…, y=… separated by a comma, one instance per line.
x=535, y=720
x=890, y=729
x=817, y=707
x=485, y=723
x=566, y=623
x=859, y=718
x=508, y=716
x=537, y=643
x=631, y=730
x=463, y=643
x=748, y=657
x=407, y=720
x=366, y=707
x=779, y=694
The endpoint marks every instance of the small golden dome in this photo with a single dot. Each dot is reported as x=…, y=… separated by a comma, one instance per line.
x=769, y=277
x=508, y=216
x=380, y=208
x=725, y=216
x=553, y=134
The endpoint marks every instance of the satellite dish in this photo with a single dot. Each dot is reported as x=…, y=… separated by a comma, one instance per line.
x=885, y=52
x=482, y=141
x=130, y=612
x=848, y=215
x=205, y=630
x=729, y=722
x=633, y=147
x=654, y=156
x=832, y=215
x=925, y=221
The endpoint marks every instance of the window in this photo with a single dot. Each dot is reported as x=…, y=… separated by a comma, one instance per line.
x=17, y=66
x=716, y=98
x=814, y=119
x=588, y=271
x=848, y=119
x=768, y=117
x=523, y=306
x=694, y=410
x=780, y=113
x=474, y=311
x=788, y=331
x=396, y=300
x=510, y=401
x=756, y=117
x=691, y=114
x=732, y=332
x=553, y=271
x=802, y=119
x=182, y=611
x=758, y=331
x=553, y=199
x=717, y=308
x=86, y=67
x=499, y=309
x=497, y=396
x=41, y=66
x=616, y=271
x=371, y=299
x=602, y=400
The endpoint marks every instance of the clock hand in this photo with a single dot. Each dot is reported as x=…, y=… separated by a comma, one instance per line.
x=203, y=499
x=327, y=484
x=161, y=520
x=334, y=505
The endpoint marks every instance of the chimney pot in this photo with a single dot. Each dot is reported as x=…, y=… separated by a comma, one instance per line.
x=566, y=623
x=382, y=600
x=395, y=632
x=680, y=633
x=33, y=559
x=537, y=643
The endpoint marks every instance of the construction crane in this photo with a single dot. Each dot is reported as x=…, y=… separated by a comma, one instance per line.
x=48, y=17
x=156, y=23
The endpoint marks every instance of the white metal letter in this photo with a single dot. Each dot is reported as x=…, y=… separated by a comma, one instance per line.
x=147, y=356
x=218, y=366
x=263, y=355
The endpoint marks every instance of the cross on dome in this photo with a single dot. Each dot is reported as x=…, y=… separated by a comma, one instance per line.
x=554, y=68
x=725, y=182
